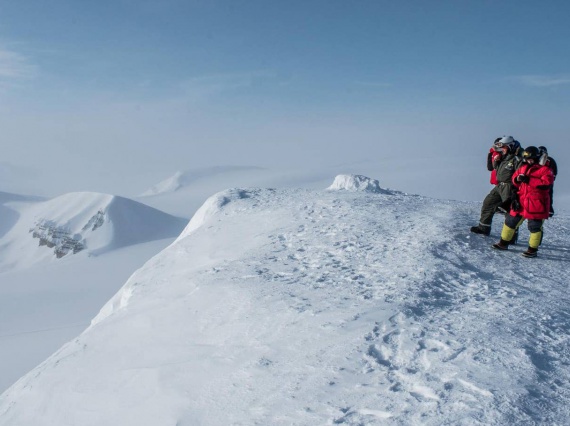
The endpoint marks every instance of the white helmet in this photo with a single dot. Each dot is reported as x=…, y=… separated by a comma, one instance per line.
x=507, y=141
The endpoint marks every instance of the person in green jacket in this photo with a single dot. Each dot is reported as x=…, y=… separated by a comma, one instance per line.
x=504, y=191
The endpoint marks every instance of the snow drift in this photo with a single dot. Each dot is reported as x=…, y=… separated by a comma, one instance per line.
x=320, y=307
x=76, y=222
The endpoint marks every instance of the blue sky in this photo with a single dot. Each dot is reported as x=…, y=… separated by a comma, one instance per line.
x=167, y=85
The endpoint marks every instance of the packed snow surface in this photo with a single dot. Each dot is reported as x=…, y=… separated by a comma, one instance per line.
x=279, y=307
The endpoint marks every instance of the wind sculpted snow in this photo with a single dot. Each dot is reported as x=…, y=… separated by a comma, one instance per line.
x=321, y=307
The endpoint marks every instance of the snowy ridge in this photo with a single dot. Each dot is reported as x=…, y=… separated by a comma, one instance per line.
x=321, y=307
x=74, y=222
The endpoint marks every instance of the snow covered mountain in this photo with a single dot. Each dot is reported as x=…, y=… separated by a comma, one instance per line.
x=75, y=222
x=312, y=307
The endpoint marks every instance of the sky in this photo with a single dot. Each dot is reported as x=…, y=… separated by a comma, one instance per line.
x=114, y=96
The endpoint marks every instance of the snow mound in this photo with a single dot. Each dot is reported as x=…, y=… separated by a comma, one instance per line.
x=356, y=183
x=183, y=179
x=80, y=221
x=319, y=307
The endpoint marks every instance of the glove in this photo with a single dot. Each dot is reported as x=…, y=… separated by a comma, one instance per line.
x=496, y=161
x=515, y=205
x=522, y=179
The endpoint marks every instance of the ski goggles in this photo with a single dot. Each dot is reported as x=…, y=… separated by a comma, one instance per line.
x=499, y=145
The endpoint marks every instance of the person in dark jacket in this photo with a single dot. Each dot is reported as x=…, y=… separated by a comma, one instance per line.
x=505, y=165
x=548, y=161
x=533, y=182
x=493, y=159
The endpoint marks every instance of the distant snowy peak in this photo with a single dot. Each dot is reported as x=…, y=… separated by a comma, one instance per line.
x=182, y=179
x=171, y=184
x=78, y=221
x=100, y=221
x=357, y=183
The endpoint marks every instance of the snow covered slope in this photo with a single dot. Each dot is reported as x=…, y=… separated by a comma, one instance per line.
x=75, y=222
x=321, y=307
x=44, y=306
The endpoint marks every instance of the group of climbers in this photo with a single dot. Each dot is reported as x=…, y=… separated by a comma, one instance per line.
x=523, y=181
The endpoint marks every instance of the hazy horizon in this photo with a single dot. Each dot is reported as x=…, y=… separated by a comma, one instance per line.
x=117, y=96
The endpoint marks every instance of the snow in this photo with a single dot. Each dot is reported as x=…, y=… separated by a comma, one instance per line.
x=46, y=301
x=97, y=222
x=46, y=305
x=356, y=183
x=291, y=306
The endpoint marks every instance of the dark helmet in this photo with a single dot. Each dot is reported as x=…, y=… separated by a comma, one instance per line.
x=543, y=150
x=531, y=152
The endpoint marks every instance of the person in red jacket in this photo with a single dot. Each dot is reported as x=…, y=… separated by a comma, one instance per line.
x=533, y=182
x=548, y=161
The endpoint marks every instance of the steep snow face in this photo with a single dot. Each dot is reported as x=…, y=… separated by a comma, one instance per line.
x=321, y=307
x=75, y=222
